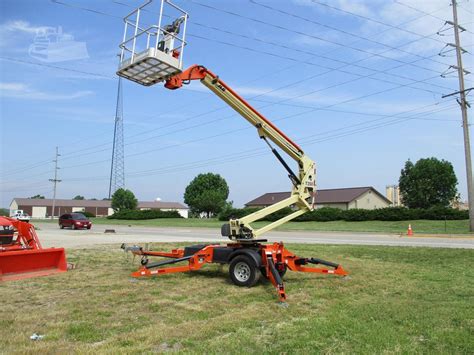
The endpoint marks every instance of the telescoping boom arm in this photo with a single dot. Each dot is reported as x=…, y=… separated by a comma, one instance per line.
x=304, y=182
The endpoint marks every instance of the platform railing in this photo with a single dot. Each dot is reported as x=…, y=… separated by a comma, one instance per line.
x=130, y=45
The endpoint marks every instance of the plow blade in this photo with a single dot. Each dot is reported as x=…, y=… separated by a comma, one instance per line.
x=22, y=264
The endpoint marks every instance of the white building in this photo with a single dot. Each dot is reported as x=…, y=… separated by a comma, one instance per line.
x=42, y=208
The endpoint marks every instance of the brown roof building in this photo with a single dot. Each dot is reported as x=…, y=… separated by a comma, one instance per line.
x=42, y=208
x=345, y=198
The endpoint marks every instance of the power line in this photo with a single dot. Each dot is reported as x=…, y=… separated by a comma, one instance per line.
x=343, y=31
x=234, y=131
x=370, y=19
x=55, y=67
x=360, y=113
x=255, y=152
x=113, y=16
x=262, y=151
x=423, y=12
x=353, y=63
x=286, y=57
x=87, y=9
x=28, y=178
x=234, y=45
x=219, y=109
x=27, y=167
x=331, y=69
x=29, y=189
x=186, y=128
x=219, y=119
x=307, y=35
x=313, y=54
x=467, y=10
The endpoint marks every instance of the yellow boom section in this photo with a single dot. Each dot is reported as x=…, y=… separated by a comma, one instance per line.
x=303, y=185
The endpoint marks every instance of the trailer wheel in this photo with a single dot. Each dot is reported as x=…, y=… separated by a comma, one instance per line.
x=243, y=271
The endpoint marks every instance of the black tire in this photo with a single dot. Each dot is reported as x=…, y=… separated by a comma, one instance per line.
x=73, y=226
x=61, y=226
x=243, y=271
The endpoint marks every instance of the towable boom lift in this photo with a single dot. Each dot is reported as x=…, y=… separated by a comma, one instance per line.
x=247, y=256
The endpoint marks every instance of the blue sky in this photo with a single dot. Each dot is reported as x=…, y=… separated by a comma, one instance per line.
x=357, y=84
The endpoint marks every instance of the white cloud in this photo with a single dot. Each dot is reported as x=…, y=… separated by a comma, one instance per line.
x=24, y=91
x=13, y=86
x=13, y=31
x=20, y=26
x=357, y=7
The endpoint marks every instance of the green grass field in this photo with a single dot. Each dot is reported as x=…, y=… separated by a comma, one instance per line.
x=419, y=226
x=397, y=300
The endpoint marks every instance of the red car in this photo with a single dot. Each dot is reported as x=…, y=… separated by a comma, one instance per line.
x=75, y=221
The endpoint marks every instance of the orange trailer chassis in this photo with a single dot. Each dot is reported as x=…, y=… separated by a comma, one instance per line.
x=247, y=259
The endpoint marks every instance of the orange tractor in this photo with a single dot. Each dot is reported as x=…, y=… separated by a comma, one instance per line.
x=21, y=253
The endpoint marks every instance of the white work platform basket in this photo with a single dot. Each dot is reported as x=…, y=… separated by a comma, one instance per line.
x=153, y=53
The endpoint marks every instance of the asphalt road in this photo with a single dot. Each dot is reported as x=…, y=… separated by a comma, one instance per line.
x=51, y=236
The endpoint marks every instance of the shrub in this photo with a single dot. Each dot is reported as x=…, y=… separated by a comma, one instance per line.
x=324, y=214
x=357, y=214
x=278, y=214
x=327, y=214
x=441, y=213
x=88, y=214
x=145, y=214
x=230, y=212
x=394, y=214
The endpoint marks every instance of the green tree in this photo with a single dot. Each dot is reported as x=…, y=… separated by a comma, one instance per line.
x=78, y=197
x=38, y=197
x=124, y=200
x=427, y=183
x=206, y=193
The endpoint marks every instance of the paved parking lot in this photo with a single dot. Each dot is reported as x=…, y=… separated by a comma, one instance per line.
x=51, y=236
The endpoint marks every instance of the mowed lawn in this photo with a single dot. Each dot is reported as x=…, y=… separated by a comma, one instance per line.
x=397, y=227
x=397, y=300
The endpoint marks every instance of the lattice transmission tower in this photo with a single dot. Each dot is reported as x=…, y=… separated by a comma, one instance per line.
x=117, y=168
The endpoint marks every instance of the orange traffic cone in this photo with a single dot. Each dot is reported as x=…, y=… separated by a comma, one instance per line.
x=410, y=231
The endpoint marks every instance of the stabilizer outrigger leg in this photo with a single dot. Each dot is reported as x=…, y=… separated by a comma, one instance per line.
x=247, y=261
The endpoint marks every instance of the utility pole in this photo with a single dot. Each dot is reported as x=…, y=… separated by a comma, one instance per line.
x=464, y=105
x=55, y=181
